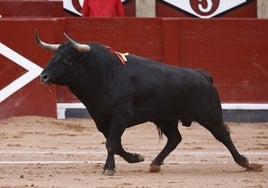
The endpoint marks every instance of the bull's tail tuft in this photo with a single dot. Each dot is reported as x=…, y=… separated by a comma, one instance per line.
x=160, y=133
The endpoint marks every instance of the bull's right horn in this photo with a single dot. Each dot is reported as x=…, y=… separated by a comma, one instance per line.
x=53, y=47
x=78, y=46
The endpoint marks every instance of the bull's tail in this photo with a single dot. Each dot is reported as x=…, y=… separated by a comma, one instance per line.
x=158, y=127
x=160, y=133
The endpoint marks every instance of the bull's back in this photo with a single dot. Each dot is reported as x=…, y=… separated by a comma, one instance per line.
x=152, y=75
x=169, y=91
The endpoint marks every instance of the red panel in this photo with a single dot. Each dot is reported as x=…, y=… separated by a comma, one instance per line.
x=10, y=71
x=233, y=51
x=34, y=98
x=31, y=8
x=65, y=96
x=165, y=10
x=171, y=43
x=141, y=36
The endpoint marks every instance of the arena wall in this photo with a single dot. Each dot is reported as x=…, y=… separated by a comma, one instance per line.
x=233, y=51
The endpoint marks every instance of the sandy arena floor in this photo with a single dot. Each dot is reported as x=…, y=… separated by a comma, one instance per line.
x=45, y=152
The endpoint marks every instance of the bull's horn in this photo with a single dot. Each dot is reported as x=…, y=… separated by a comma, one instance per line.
x=53, y=47
x=78, y=46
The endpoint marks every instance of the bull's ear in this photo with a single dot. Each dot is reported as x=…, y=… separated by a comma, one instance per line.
x=53, y=47
x=78, y=46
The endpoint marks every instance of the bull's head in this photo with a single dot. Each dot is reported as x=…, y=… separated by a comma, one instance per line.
x=67, y=55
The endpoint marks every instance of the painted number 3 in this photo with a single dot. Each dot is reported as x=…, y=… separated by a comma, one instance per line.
x=204, y=7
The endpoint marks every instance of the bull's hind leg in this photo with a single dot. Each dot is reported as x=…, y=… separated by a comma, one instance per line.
x=170, y=130
x=222, y=134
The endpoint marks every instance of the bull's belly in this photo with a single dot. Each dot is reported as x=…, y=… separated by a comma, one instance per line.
x=156, y=112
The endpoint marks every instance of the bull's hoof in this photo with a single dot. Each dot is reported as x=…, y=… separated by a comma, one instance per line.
x=242, y=161
x=108, y=172
x=134, y=158
x=139, y=157
x=154, y=168
x=254, y=167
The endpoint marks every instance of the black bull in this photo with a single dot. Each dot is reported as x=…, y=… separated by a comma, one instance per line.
x=119, y=96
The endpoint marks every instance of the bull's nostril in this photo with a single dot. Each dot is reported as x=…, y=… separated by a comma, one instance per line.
x=44, y=78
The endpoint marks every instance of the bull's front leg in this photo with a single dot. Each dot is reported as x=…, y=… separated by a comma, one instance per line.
x=109, y=168
x=122, y=115
x=113, y=142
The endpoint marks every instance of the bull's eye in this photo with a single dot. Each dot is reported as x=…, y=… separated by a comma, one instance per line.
x=68, y=59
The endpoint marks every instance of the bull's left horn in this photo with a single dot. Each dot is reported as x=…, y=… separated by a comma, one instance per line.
x=53, y=47
x=78, y=46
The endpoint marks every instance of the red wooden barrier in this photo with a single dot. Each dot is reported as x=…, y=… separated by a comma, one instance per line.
x=31, y=8
x=234, y=51
x=17, y=35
